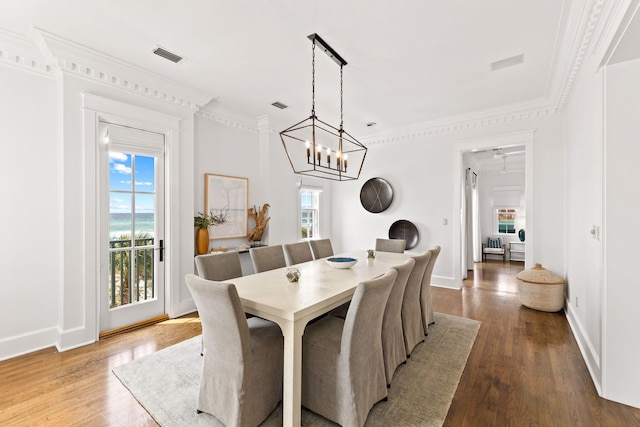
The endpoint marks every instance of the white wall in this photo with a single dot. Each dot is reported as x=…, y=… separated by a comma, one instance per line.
x=584, y=204
x=30, y=213
x=50, y=186
x=420, y=171
x=621, y=371
x=225, y=150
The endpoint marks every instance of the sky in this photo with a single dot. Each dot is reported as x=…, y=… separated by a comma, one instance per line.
x=124, y=171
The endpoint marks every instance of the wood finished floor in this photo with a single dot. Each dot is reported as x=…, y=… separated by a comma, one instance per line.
x=525, y=369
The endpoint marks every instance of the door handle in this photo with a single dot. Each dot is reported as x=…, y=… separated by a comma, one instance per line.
x=161, y=249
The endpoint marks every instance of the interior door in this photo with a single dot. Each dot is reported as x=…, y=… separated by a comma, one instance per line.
x=132, y=286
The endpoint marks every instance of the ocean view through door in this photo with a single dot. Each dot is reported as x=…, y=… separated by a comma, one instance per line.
x=132, y=268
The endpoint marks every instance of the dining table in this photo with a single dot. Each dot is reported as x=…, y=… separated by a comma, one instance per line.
x=319, y=289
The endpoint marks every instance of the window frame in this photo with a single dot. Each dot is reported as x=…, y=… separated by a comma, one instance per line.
x=315, y=230
x=507, y=210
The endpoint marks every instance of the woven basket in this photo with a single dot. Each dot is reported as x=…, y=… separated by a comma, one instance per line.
x=541, y=289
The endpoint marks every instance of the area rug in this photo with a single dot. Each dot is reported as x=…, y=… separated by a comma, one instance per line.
x=167, y=383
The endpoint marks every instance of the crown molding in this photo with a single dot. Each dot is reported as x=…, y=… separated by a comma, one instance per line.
x=465, y=122
x=592, y=14
x=616, y=24
x=81, y=61
x=20, y=52
x=216, y=117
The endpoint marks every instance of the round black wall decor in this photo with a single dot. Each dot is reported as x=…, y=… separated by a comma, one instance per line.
x=403, y=229
x=376, y=195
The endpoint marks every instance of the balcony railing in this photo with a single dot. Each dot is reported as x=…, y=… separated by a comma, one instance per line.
x=121, y=275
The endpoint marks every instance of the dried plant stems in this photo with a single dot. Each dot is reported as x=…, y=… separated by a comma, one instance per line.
x=258, y=216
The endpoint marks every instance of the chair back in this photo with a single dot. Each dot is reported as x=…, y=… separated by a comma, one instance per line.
x=393, y=347
x=426, y=281
x=425, y=291
x=267, y=258
x=298, y=252
x=391, y=245
x=321, y=248
x=394, y=304
x=219, y=267
x=363, y=325
x=224, y=326
x=412, y=327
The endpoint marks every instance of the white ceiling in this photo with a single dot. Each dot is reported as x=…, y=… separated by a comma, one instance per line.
x=409, y=62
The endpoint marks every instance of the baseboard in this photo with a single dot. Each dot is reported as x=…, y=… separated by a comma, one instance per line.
x=27, y=343
x=75, y=337
x=444, y=282
x=185, y=307
x=589, y=353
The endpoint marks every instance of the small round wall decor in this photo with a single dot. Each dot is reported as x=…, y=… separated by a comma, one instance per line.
x=403, y=229
x=376, y=195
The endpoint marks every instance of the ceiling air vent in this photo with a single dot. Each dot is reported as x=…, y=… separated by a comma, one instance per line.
x=507, y=62
x=279, y=105
x=167, y=55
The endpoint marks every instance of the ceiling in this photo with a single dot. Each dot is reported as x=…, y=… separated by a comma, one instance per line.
x=497, y=160
x=409, y=62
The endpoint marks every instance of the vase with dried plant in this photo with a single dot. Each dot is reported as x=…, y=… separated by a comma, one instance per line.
x=202, y=222
x=258, y=215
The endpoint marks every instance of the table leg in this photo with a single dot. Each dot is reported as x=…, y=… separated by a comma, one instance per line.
x=292, y=375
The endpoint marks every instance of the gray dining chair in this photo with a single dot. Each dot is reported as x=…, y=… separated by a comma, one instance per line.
x=321, y=248
x=241, y=382
x=391, y=245
x=425, y=292
x=298, y=252
x=342, y=362
x=267, y=258
x=411, y=311
x=393, y=348
x=219, y=267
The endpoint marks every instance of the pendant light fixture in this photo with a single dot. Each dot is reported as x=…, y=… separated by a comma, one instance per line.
x=315, y=147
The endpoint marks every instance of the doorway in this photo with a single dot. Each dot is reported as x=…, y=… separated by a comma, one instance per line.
x=132, y=280
x=462, y=233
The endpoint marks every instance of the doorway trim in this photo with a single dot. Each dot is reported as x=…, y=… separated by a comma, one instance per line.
x=96, y=109
x=525, y=138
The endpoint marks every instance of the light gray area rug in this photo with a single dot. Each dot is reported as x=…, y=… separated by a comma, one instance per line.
x=167, y=383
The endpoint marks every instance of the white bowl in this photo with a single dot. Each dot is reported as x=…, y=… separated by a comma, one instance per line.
x=341, y=262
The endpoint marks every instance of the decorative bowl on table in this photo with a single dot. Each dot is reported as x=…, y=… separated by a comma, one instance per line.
x=341, y=262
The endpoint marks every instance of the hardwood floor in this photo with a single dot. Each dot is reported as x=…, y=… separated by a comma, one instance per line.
x=525, y=369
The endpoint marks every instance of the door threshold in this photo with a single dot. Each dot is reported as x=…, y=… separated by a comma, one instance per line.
x=136, y=325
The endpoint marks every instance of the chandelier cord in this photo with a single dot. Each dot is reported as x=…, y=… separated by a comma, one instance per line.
x=313, y=78
x=341, y=120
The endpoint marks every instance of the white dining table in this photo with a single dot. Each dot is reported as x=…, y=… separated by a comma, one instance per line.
x=320, y=289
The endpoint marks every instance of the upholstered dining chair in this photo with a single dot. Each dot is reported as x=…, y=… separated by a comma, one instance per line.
x=425, y=291
x=321, y=248
x=342, y=363
x=267, y=258
x=219, y=267
x=411, y=312
x=298, y=252
x=393, y=348
x=241, y=381
x=391, y=245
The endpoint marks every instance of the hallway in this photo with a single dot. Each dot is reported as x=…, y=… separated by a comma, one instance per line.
x=494, y=276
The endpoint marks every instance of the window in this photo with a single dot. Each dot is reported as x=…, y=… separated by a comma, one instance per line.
x=309, y=213
x=506, y=220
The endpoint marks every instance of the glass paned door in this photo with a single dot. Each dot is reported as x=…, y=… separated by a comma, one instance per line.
x=131, y=229
x=132, y=283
